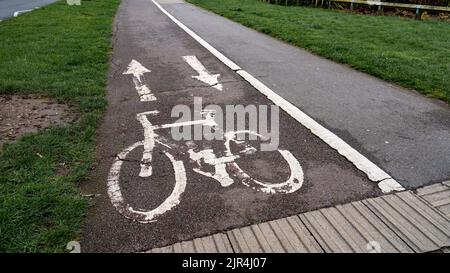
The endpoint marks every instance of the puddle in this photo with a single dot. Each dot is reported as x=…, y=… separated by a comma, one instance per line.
x=29, y=114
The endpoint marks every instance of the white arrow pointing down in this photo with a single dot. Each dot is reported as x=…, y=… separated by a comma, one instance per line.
x=203, y=74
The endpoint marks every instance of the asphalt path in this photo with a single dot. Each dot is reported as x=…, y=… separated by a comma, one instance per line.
x=9, y=7
x=144, y=34
x=400, y=130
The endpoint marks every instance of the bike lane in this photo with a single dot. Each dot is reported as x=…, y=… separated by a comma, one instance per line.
x=160, y=78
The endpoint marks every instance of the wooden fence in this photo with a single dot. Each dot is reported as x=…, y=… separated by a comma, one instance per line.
x=379, y=4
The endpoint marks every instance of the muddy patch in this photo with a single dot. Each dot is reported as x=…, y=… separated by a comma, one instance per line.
x=29, y=114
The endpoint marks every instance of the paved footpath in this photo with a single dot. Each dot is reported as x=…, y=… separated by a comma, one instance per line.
x=11, y=8
x=151, y=190
x=403, y=132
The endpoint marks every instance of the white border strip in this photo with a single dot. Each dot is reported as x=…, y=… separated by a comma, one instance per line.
x=373, y=172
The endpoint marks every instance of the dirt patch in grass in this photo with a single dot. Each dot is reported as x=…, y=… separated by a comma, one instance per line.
x=20, y=115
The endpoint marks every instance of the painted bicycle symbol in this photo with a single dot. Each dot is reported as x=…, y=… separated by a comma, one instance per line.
x=226, y=170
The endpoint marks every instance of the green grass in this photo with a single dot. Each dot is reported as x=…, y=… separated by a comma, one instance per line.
x=61, y=51
x=411, y=53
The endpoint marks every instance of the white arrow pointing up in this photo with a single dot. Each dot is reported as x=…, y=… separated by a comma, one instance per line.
x=203, y=74
x=137, y=70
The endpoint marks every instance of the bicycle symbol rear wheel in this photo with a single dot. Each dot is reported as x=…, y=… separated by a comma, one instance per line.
x=141, y=215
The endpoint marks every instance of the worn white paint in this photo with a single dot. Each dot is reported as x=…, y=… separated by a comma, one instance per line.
x=142, y=215
x=138, y=70
x=205, y=44
x=203, y=73
x=149, y=143
x=220, y=173
x=207, y=121
x=206, y=156
x=373, y=172
x=389, y=185
x=74, y=247
x=17, y=13
x=149, y=136
x=249, y=150
x=294, y=182
x=114, y=191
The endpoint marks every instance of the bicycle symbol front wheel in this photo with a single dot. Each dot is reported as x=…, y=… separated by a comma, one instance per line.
x=292, y=184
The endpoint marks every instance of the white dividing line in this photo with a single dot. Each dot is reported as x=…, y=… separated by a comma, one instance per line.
x=385, y=182
x=136, y=69
x=203, y=73
x=373, y=172
x=205, y=44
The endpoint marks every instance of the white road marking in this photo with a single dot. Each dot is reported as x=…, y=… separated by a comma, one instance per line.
x=149, y=136
x=220, y=164
x=220, y=171
x=140, y=215
x=137, y=70
x=17, y=13
x=205, y=122
x=292, y=184
x=149, y=144
x=389, y=185
x=203, y=73
x=373, y=172
x=205, y=44
x=74, y=247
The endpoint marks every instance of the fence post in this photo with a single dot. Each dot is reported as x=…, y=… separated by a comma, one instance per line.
x=380, y=8
x=418, y=13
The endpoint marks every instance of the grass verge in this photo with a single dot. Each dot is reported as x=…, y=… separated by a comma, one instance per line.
x=61, y=51
x=411, y=53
